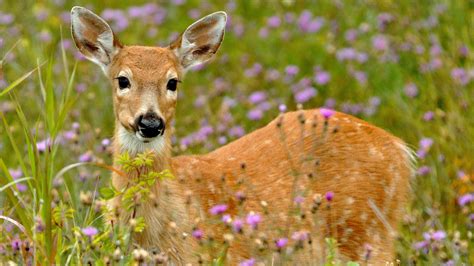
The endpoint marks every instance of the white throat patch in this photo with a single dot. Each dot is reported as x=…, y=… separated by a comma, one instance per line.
x=131, y=143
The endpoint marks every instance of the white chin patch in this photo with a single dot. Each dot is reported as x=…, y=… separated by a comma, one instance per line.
x=134, y=143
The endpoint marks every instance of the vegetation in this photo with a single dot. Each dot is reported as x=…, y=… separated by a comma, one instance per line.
x=404, y=66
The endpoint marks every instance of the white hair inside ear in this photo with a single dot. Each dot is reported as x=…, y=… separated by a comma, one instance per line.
x=93, y=37
x=201, y=40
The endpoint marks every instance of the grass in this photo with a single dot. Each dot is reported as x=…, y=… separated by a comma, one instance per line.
x=57, y=111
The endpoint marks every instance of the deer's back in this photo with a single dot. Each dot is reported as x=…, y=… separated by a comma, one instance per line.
x=293, y=159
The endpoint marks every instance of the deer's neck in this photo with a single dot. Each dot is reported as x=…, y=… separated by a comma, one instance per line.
x=166, y=205
x=127, y=142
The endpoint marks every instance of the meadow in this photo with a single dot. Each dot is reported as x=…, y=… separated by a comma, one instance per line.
x=405, y=66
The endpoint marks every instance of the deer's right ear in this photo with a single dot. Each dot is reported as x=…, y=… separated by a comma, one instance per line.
x=93, y=36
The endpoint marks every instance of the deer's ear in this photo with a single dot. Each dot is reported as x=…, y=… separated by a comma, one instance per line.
x=93, y=36
x=200, y=41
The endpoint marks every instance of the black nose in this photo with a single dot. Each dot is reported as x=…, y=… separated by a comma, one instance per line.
x=150, y=125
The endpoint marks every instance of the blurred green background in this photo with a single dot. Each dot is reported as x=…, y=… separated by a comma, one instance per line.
x=405, y=66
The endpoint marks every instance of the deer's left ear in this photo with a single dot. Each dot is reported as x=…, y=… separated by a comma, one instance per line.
x=200, y=41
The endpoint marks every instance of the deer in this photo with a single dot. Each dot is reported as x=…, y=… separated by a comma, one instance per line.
x=302, y=153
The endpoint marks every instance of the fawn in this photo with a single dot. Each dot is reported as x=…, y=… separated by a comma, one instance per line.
x=302, y=154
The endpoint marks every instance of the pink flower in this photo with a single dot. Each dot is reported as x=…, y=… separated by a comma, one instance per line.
x=411, y=90
x=329, y=195
x=237, y=225
x=292, y=70
x=380, y=43
x=249, y=262
x=322, y=77
x=281, y=242
x=218, y=209
x=282, y=108
x=300, y=235
x=326, y=113
x=198, y=234
x=253, y=219
x=90, y=231
x=466, y=199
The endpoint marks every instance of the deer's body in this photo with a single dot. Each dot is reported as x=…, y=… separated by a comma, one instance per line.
x=359, y=163
x=298, y=155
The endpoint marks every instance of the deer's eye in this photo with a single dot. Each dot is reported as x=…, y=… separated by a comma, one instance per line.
x=123, y=82
x=172, y=83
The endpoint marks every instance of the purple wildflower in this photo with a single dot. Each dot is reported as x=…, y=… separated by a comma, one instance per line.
x=360, y=76
x=90, y=231
x=380, y=43
x=314, y=25
x=16, y=244
x=69, y=135
x=249, y=262
x=222, y=140
x=282, y=108
x=274, y=22
x=292, y=70
x=326, y=113
x=300, y=235
x=257, y=97
x=420, y=245
x=329, y=195
x=105, y=142
x=236, y=131
x=424, y=170
x=411, y=90
x=264, y=106
x=6, y=18
x=330, y=103
x=305, y=95
x=39, y=224
x=426, y=143
x=43, y=145
x=438, y=235
x=466, y=199
x=322, y=77
x=272, y=74
x=428, y=116
x=281, y=242
x=263, y=32
x=15, y=173
x=226, y=218
x=346, y=54
x=463, y=51
x=237, y=225
x=253, y=219
x=218, y=209
x=304, y=20
x=350, y=35
x=86, y=157
x=198, y=234
x=255, y=114
x=299, y=199
x=460, y=76
x=254, y=70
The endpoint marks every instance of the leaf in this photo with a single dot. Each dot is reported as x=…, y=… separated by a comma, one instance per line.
x=352, y=263
x=166, y=174
x=140, y=225
x=16, y=82
x=107, y=193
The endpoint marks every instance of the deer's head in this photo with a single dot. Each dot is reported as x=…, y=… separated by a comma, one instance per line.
x=145, y=79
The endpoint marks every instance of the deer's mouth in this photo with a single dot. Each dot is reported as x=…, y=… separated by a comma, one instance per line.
x=135, y=132
x=145, y=139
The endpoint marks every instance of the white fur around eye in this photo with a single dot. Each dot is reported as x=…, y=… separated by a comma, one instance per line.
x=126, y=72
x=172, y=94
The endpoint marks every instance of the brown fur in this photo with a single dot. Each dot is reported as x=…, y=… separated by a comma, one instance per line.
x=299, y=153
